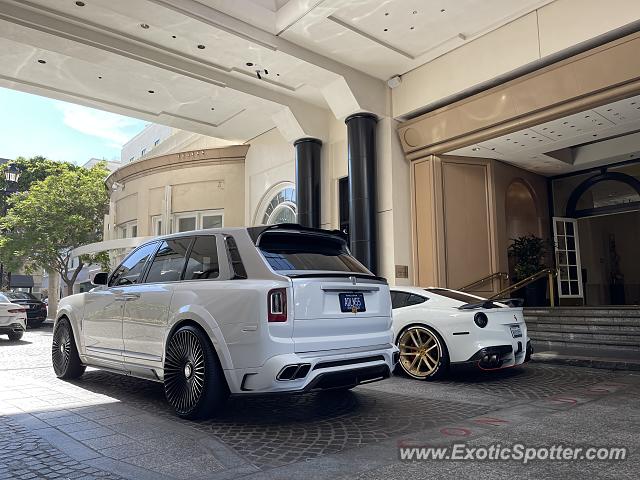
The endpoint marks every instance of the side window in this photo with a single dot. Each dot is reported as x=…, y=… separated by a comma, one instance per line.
x=132, y=267
x=203, y=259
x=399, y=299
x=403, y=299
x=415, y=300
x=169, y=261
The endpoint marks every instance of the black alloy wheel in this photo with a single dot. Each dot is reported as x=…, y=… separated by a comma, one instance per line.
x=193, y=380
x=64, y=354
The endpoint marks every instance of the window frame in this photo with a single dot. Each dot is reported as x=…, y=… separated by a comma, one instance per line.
x=198, y=215
x=220, y=276
x=127, y=227
x=145, y=269
x=192, y=240
x=409, y=295
x=156, y=220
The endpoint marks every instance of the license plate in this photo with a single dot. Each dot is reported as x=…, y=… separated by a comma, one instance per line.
x=516, y=332
x=352, y=302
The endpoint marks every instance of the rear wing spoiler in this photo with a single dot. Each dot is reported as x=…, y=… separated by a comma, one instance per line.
x=256, y=232
x=511, y=302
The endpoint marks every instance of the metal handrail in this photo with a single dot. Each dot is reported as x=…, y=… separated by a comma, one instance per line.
x=549, y=272
x=483, y=280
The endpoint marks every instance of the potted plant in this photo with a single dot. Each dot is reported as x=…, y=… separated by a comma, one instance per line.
x=529, y=253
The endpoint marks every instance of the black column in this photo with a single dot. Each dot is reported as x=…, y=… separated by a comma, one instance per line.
x=308, y=181
x=361, y=134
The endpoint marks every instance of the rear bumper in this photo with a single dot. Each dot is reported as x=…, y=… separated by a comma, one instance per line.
x=498, y=357
x=36, y=315
x=315, y=371
x=14, y=327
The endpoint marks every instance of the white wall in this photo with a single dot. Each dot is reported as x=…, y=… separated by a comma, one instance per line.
x=270, y=160
x=145, y=140
x=551, y=29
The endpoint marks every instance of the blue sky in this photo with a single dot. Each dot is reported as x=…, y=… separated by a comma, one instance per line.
x=31, y=125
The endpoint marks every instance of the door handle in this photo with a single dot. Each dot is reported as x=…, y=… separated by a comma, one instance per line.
x=129, y=296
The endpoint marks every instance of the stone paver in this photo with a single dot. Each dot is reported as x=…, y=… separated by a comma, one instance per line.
x=109, y=426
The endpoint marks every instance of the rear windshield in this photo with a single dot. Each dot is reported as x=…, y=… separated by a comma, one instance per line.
x=20, y=296
x=294, y=251
x=459, y=296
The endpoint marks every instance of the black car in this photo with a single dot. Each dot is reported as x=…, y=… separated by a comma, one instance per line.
x=36, y=309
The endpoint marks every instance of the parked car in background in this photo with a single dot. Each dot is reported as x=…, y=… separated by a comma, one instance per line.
x=436, y=328
x=13, y=319
x=36, y=309
x=237, y=310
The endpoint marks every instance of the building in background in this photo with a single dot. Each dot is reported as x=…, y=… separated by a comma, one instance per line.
x=435, y=134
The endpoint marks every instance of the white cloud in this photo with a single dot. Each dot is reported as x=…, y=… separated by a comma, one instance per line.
x=117, y=129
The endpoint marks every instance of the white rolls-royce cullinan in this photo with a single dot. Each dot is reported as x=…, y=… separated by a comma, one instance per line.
x=235, y=310
x=438, y=328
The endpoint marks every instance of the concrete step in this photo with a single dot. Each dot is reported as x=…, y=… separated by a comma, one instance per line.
x=585, y=338
x=592, y=329
x=623, y=312
x=604, y=362
x=622, y=321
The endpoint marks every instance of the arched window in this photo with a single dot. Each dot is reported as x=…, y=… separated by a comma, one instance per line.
x=607, y=192
x=279, y=205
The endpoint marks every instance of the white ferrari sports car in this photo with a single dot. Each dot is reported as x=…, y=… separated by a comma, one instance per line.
x=438, y=328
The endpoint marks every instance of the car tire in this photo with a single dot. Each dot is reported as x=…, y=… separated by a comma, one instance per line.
x=419, y=343
x=64, y=353
x=194, y=382
x=15, y=336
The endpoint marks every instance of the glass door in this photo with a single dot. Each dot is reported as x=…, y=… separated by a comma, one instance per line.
x=567, y=248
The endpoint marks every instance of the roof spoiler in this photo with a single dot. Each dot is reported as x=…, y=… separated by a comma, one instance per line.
x=511, y=302
x=256, y=232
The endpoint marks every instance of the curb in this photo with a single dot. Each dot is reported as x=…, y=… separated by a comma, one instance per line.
x=590, y=362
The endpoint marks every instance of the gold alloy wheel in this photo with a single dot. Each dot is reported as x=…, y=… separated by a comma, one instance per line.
x=420, y=352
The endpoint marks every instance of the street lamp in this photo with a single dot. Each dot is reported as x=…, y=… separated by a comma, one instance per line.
x=11, y=176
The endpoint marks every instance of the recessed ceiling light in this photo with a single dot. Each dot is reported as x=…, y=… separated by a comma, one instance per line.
x=173, y=36
x=201, y=47
x=249, y=64
x=442, y=10
x=80, y=4
x=412, y=28
x=475, y=149
x=213, y=108
x=415, y=12
x=386, y=29
x=144, y=25
x=151, y=91
x=42, y=61
x=99, y=78
x=386, y=14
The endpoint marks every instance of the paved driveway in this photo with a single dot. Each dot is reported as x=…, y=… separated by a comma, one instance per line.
x=108, y=426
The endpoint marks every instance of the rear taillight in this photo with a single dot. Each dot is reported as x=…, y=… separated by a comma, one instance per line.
x=17, y=310
x=277, y=305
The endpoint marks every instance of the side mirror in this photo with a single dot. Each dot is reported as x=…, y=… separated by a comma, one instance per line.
x=100, y=278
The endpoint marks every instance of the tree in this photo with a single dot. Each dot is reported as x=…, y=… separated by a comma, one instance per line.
x=56, y=215
x=34, y=169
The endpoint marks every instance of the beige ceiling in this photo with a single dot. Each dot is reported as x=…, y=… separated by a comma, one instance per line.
x=390, y=37
x=587, y=139
x=201, y=58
